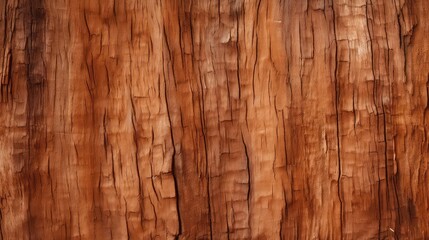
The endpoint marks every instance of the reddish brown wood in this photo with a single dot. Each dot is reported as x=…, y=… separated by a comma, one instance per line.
x=246, y=119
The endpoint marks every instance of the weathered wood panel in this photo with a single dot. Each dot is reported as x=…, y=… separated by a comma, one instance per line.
x=246, y=119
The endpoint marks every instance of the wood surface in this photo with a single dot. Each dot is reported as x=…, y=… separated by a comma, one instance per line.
x=204, y=119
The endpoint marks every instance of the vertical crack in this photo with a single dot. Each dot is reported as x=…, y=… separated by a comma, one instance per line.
x=203, y=129
x=137, y=165
x=337, y=97
x=173, y=162
x=126, y=219
x=375, y=91
x=133, y=121
x=246, y=152
x=386, y=160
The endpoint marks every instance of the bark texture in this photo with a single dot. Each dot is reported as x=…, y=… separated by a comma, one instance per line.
x=203, y=119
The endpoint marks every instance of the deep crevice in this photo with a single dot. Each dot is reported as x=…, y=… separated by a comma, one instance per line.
x=337, y=113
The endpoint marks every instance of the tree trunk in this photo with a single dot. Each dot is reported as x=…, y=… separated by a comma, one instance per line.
x=246, y=119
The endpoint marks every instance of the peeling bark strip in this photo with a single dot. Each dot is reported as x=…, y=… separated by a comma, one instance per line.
x=247, y=119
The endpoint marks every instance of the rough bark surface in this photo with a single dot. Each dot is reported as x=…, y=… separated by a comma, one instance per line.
x=245, y=119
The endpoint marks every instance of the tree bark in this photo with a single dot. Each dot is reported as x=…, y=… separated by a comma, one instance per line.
x=246, y=119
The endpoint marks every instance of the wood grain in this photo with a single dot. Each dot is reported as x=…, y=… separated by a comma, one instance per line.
x=245, y=119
